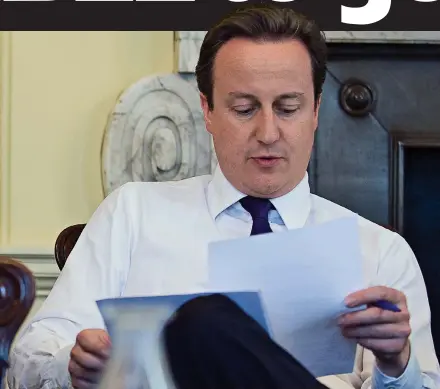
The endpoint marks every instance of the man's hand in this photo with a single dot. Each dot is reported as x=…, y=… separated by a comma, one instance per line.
x=383, y=332
x=88, y=358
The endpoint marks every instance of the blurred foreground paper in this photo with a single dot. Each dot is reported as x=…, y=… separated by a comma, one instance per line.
x=303, y=276
x=135, y=325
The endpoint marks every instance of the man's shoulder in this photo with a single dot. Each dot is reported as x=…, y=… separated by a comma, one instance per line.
x=379, y=243
x=326, y=210
x=177, y=191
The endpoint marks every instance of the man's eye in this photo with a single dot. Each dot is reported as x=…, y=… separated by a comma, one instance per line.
x=244, y=111
x=287, y=111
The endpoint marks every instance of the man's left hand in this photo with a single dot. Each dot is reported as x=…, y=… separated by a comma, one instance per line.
x=384, y=332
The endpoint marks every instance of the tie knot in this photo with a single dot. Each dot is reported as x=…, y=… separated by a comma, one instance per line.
x=258, y=208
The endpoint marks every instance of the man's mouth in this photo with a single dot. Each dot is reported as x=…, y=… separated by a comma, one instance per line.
x=267, y=161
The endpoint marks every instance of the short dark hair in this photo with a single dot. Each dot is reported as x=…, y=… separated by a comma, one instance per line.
x=262, y=23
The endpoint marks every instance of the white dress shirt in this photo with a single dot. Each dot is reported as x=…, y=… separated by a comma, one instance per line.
x=152, y=238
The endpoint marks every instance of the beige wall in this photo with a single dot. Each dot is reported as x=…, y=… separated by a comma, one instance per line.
x=57, y=90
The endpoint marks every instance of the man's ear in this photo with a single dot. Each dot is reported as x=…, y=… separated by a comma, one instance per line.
x=206, y=111
x=316, y=114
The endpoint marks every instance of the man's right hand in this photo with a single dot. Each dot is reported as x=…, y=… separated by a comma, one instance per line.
x=88, y=358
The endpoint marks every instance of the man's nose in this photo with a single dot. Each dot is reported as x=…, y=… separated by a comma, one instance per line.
x=267, y=128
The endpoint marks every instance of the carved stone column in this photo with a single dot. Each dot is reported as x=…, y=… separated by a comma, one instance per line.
x=156, y=132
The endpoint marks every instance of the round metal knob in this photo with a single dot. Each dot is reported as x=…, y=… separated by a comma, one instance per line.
x=356, y=98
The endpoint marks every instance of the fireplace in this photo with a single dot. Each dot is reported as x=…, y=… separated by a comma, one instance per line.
x=415, y=206
x=377, y=148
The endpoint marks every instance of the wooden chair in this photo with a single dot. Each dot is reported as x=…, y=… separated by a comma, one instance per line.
x=65, y=242
x=69, y=236
x=17, y=294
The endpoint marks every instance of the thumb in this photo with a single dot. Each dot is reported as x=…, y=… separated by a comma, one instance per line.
x=95, y=341
x=104, y=339
x=103, y=343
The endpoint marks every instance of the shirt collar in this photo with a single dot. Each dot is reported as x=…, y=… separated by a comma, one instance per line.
x=294, y=207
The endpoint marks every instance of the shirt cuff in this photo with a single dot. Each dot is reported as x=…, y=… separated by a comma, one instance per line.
x=411, y=378
x=58, y=372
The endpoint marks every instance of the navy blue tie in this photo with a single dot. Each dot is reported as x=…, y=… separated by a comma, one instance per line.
x=259, y=209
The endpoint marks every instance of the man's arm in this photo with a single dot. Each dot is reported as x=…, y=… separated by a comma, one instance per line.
x=96, y=269
x=399, y=269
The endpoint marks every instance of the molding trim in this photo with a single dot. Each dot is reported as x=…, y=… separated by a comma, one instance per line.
x=42, y=265
x=188, y=43
x=5, y=132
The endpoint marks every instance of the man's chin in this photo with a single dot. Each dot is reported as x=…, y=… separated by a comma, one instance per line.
x=266, y=187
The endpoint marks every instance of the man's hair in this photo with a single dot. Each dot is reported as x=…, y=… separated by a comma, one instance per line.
x=262, y=23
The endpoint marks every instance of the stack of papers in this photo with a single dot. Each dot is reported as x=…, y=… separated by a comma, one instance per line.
x=293, y=283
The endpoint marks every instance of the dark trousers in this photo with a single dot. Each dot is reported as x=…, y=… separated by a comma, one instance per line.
x=211, y=343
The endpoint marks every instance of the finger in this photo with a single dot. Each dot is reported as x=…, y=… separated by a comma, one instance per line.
x=389, y=346
x=372, y=315
x=373, y=294
x=79, y=383
x=86, y=360
x=78, y=372
x=379, y=331
x=99, y=344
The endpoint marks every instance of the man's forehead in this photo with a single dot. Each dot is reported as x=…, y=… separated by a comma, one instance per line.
x=261, y=57
x=247, y=65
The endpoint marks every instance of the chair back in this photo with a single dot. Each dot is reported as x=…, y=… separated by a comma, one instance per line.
x=17, y=294
x=65, y=242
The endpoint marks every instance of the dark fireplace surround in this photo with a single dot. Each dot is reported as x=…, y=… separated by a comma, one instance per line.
x=377, y=148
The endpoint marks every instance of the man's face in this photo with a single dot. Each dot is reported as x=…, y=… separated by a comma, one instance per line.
x=264, y=117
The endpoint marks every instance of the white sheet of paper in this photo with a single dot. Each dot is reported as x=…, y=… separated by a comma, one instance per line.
x=303, y=276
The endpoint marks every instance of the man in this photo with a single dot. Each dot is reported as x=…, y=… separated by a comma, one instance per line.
x=260, y=74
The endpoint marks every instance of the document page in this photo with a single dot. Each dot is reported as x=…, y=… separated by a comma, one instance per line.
x=303, y=277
